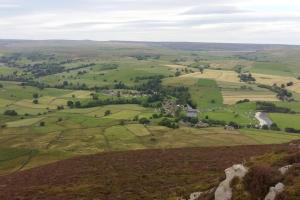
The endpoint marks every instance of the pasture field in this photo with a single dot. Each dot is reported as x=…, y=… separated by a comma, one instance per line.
x=286, y=120
x=127, y=71
x=83, y=133
x=274, y=68
x=204, y=92
x=118, y=73
x=228, y=64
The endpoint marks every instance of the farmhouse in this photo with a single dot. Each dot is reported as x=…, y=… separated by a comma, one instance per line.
x=191, y=112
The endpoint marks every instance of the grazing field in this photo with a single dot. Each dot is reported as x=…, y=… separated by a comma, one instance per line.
x=286, y=120
x=24, y=122
x=60, y=100
x=80, y=133
x=274, y=68
x=204, y=92
x=230, y=64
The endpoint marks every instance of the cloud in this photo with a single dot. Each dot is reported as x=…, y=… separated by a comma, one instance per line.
x=206, y=10
x=4, y=5
x=171, y=20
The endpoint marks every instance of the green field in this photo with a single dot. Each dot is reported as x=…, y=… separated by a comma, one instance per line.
x=117, y=85
x=286, y=120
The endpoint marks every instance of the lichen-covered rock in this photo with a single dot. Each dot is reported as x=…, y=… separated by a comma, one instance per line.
x=283, y=170
x=224, y=191
x=274, y=191
x=195, y=195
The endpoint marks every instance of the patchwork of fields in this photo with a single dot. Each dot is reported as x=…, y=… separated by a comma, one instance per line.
x=73, y=100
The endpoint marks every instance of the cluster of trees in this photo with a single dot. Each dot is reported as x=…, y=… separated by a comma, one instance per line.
x=44, y=69
x=104, y=102
x=273, y=127
x=281, y=92
x=168, y=123
x=73, y=104
x=141, y=78
x=10, y=113
x=109, y=66
x=80, y=67
x=292, y=130
x=243, y=101
x=13, y=77
x=246, y=77
x=271, y=107
x=146, y=57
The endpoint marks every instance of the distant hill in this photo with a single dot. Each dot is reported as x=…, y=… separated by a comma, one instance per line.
x=186, y=46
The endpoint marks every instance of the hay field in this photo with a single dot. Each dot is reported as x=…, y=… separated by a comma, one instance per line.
x=24, y=122
x=231, y=97
x=80, y=94
x=230, y=64
x=274, y=79
x=218, y=75
x=175, y=66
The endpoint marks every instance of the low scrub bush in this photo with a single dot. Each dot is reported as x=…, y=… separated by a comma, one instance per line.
x=259, y=179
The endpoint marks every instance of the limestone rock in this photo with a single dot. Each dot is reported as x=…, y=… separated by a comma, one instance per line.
x=224, y=191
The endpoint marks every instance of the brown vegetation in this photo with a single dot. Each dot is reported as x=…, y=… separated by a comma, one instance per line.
x=143, y=174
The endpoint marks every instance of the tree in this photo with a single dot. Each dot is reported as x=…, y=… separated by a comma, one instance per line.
x=108, y=112
x=144, y=120
x=42, y=123
x=265, y=127
x=35, y=101
x=77, y=104
x=274, y=127
x=177, y=73
x=10, y=113
x=290, y=83
x=201, y=69
x=35, y=95
x=70, y=104
x=1, y=86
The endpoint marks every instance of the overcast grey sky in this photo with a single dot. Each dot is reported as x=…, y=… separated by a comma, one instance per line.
x=247, y=21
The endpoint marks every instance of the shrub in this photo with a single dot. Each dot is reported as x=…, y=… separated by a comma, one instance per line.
x=10, y=113
x=70, y=104
x=259, y=179
x=291, y=130
x=243, y=101
x=108, y=112
x=274, y=127
x=42, y=123
x=265, y=127
x=144, y=121
x=35, y=101
x=168, y=123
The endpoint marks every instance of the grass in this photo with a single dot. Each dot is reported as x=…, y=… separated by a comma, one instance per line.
x=286, y=120
x=138, y=129
x=204, y=92
x=24, y=122
x=271, y=68
x=269, y=137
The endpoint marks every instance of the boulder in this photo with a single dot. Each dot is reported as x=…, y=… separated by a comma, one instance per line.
x=274, y=191
x=224, y=191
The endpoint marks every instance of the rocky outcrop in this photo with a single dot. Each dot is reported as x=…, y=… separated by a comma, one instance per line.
x=224, y=191
x=274, y=191
x=283, y=170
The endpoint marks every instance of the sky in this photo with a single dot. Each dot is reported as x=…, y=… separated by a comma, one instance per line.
x=229, y=21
